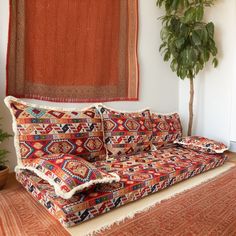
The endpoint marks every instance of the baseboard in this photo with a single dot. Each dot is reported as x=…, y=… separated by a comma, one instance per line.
x=232, y=146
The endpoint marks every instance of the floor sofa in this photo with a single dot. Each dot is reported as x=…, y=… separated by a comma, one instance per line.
x=139, y=147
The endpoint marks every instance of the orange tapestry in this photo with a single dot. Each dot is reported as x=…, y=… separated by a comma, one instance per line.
x=73, y=50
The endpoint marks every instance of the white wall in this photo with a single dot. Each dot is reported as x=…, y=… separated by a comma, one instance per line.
x=233, y=91
x=158, y=85
x=214, y=86
x=233, y=112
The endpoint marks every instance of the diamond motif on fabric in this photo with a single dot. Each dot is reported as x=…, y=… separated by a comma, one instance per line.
x=132, y=125
x=37, y=145
x=78, y=142
x=29, y=129
x=110, y=125
x=163, y=126
x=121, y=127
x=39, y=153
x=35, y=112
x=93, y=144
x=25, y=149
x=64, y=146
x=77, y=170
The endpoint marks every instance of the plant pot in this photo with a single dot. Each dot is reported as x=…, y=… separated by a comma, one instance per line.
x=3, y=176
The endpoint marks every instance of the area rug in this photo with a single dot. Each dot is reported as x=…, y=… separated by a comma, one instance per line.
x=208, y=209
x=21, y=215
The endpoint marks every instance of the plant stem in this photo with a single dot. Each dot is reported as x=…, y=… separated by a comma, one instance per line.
x=190, y=123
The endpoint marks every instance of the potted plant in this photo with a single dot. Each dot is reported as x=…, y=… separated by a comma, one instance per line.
x=187, y=41
x=4, y=169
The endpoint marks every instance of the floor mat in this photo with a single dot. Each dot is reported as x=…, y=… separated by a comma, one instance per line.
x=21, y=215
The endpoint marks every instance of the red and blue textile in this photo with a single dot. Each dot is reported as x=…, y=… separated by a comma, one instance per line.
x=126, y=133
x=67, y=173
x=202, y=144
x=140, y=174
x=42, y=131
x=166, y=129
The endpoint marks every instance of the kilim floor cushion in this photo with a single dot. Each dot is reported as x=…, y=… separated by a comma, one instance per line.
x=209, y=210
x=140, y=175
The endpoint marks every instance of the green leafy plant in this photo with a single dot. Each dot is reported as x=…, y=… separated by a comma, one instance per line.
x=3, y=152
x=187, y=41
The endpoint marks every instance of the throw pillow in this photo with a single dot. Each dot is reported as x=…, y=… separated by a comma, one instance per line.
x=126, y=133
x=202, y=144
x=166, y=129
x=67, y=173
x=41, y=130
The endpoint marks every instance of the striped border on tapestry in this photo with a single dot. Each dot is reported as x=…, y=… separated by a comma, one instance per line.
x=22, y=84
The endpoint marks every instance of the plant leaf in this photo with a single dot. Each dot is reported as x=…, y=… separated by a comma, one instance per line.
x=215, y=62
x=210, y=29
x=196, y=39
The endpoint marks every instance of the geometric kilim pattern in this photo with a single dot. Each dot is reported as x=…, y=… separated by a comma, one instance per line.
x=45, y=131
x=166, y=129
x=67, y=173
x=141, y=175
x=202, y=144
x=126, y=133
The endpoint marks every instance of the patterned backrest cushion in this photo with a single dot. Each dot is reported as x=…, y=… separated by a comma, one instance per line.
x=40, y=130
x=126, y=133
x=166, y=129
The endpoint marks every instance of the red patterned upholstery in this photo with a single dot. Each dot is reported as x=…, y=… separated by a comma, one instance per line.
x=166, y=129
x=140, y=174
x=40, y=131
x=68, y=173
x=202, y=144
x=126, y=133
x=41, y=134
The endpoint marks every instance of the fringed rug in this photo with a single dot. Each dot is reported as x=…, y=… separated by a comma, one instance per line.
x=21, y=215
x=208, y=209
